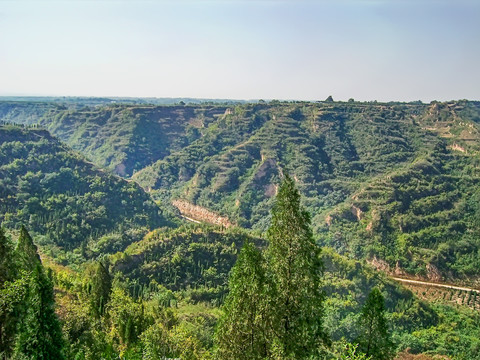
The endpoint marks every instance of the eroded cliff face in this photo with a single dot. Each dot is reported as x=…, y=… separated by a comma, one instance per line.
x=201, y=214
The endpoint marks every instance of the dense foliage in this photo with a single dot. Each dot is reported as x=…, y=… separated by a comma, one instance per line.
x=374, y=338
x=393, y=184
x=107, y=310
x=274, y=309
x=29, y=328
x=294, y=268
x=194, y=258
x=398, y=177
x=123, y=139
x=61, y=196
x=243, y=329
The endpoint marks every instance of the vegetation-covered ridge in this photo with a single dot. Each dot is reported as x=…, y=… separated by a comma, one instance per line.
x=166, y=290
x=392, y=181
x=122, y=138
x=396, y=181
x=191, y=256
x=160, y=298
x=64, y=198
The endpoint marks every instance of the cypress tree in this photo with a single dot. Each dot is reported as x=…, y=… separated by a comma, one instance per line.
x=275, y=311
x=375, y=339
x=10, y=293
x=99, y=288
x=39, y=334
x=241, y=330
x=26, y=251
x=6, y=259
x=293, y=261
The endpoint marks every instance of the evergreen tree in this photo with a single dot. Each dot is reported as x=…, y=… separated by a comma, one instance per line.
x=241, y=330
x=26, y=251
x=38, y=333
x=295, y=268
x=12, y=298
x=10, y=292
x=375, y=339
x=99, y=288
x=6, y=259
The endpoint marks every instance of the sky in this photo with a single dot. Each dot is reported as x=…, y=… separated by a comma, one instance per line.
x=384, y=50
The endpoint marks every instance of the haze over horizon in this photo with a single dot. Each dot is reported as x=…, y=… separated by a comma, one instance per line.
x=304, y=50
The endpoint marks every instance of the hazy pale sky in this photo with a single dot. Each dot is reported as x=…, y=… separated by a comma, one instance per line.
x=293, y=49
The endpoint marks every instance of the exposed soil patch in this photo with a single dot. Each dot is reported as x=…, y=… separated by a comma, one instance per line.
x=198, y=213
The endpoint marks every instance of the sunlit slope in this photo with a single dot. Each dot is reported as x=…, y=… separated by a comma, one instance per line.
x=397, y=181
x=55, y=192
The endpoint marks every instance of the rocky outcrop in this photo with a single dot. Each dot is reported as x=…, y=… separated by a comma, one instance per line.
x=433, y=274
x=380, y=264
x=357, y=212
x=457, y=147
x=199, y=213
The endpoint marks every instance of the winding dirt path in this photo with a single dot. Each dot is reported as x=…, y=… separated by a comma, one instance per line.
x=190, y=219
x=424, y=283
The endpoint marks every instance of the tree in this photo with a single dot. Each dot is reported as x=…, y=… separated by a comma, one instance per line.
x=12, y=296
x=98, y=288
x=375, y=339
x=39, y=335
x=241, y=330
x=6, y=259
x=11, y=293
x=350, y=353
x=26, y=251
x=127, y=319
x=295, y=268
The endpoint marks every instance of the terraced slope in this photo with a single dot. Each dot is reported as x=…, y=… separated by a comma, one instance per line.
x=398, y=181
x=125, y=139
x=329, y=149
x=393, y=180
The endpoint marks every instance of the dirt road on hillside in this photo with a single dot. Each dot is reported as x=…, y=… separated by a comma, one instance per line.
x=424, y=283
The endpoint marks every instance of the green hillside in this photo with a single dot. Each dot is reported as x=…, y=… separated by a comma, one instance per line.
x=25, y=112
x=396, y=181
x=180, y=277
x=401, y=192
x=392, y=180
x=59, y=195
x=122, y=138
x=187, y=257
x=125, y=139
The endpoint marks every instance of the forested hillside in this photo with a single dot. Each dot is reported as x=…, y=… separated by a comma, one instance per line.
x=125, y=139
x=66, y=200
x=395, y=185
x=395, y=181
x=25, y=113
x=161, y=297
